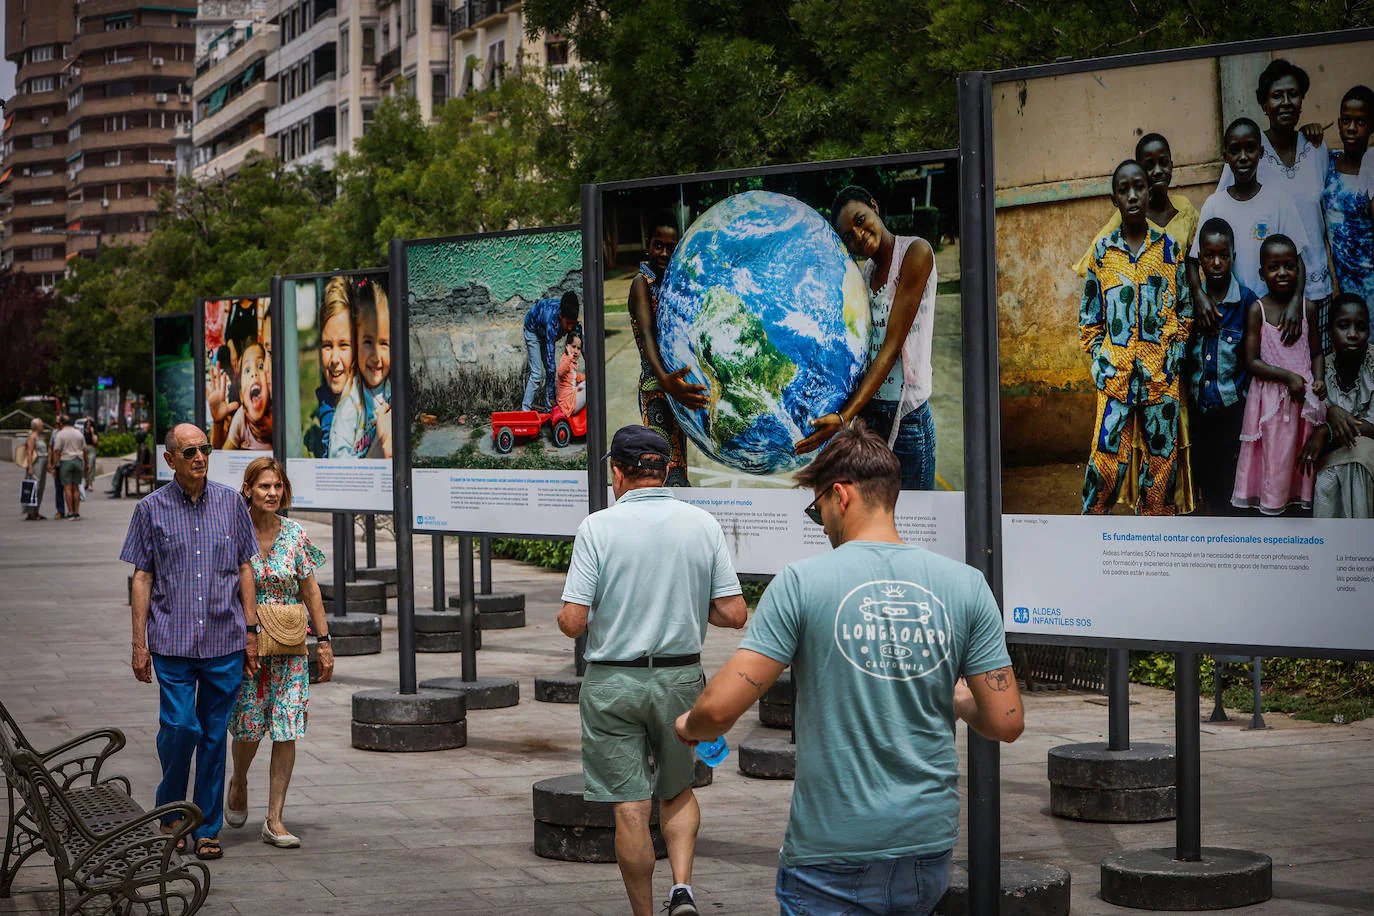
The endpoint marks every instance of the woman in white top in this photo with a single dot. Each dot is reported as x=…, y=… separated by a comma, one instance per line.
x=892, y=398
x=1294, y=160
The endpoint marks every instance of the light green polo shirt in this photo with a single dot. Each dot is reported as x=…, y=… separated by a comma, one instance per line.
x=648, y=568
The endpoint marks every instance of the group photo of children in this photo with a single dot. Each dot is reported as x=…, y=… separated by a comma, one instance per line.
x=497, y=377
x=343, y=342
x=238, y=373
x=1222, y=319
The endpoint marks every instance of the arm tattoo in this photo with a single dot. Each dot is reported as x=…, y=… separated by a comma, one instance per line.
x=997, y=680
x=758, y=688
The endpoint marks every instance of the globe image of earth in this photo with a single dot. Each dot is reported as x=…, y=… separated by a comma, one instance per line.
x=763, y=305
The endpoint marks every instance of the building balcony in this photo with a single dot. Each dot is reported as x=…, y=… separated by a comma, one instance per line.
x=41, y=68
x=22, y=184
x=137, y=37
x=133, y=69
x=148, y=101
x=51, y=266
x=323, y=95
x=56, y=207
x=54, y=98
x=389, y=65
x=30, y=126
x=34, y=239
x=324, y=31
x=475, y=14
x=229, y=161
x=123, y=139
x=136, y=171
x=256, y=98
x=89, y=9
x=230, y=66
x=324, y=153
x=56, y=154
x=98, y=207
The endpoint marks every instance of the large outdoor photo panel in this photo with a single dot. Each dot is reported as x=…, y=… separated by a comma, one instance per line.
x=1183, y=247
x=498, y=387
x=336, y=394
x=174, y=380
x=237, y=383
x=735, y=313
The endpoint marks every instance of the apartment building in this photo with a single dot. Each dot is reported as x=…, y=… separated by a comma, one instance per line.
x=489, y=41
x=87, y=141
x=232, y=91
x=415, y=51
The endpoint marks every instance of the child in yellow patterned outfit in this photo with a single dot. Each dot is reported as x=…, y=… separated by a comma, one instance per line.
x=1134, y=323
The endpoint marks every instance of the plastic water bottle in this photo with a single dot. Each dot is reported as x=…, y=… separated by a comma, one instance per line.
x=713, y=752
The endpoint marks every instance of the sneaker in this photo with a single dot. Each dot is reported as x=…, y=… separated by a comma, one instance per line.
x=681, y=904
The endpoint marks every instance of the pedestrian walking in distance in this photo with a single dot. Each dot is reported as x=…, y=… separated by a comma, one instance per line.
x=880, y=636
x=647, y=575
x=70, y=459
x=194, y=620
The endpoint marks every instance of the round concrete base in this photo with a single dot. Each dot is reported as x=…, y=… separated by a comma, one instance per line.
x=497, y=611
x=356, y=634
x=1152, y=879
x=703, y=775
x=774, y=716
x=356, y=605
x=437, y=736
x=385, y=574
x=558, y=689
x=441, y=632
x=570, y=828
x=1089, y=782
x=768, y=758
x=427, y=720
x=357, y=645
x=1028, y=889
x=358, y=589
x=584, y=844
x=483, y=693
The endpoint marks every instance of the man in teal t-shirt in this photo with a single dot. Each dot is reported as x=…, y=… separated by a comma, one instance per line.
x=880, y=636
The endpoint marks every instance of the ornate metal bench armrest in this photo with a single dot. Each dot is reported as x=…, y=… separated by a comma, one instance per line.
x=68, y=771
x=127, y=841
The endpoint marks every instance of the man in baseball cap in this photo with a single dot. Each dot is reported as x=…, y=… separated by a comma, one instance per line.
x=647, y=575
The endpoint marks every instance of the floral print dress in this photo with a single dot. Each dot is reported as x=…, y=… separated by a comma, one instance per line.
x=273, y=703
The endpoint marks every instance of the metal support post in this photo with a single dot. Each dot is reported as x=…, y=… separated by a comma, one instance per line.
x=437, y=549
x=370, y=539
x=1188, y=741
x=1119, y=700
x=484, y=550
x=340, y=560
x=468, y=606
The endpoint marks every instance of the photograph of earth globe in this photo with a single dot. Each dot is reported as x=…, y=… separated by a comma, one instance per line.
x=469, y=301
x=759, y=317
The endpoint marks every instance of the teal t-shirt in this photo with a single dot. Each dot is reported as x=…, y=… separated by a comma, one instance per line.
x=648, y=567
x=876, y=634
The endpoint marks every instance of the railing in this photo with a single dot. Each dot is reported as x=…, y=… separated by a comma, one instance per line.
x=389, y=63
x=471, y=12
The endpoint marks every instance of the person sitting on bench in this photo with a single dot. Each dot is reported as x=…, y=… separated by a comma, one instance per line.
x=142, y=463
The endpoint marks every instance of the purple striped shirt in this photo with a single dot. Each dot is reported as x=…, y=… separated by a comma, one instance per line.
x=194, y=551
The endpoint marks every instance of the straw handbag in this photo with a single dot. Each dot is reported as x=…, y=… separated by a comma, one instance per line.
x=282, y=629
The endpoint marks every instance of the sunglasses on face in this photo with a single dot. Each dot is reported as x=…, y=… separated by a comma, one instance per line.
x=813, y=511
x=189, y=451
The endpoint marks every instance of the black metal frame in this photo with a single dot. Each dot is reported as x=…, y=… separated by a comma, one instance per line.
x=279, y=360
x=400, y=374
x=983, y=491
x=593, y=284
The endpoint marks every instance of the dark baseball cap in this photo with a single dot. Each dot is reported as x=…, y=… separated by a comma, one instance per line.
x=632, y=442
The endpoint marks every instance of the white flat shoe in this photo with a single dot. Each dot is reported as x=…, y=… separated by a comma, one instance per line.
x=234, y=818
x=282, y=841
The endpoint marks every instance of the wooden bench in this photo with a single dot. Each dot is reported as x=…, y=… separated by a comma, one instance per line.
x=107, y=851
x=143, y=480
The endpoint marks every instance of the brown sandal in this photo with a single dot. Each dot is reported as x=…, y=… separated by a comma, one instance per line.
x=208, y=848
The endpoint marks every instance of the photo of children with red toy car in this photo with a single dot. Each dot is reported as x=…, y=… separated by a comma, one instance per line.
x=497, y=378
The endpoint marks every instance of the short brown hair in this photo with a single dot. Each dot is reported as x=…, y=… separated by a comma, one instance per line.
x=260, y=466
x=859, y=455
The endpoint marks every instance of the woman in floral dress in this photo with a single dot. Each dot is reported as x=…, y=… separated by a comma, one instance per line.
x=273, y=702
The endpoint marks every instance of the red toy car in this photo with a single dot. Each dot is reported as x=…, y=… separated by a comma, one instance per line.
x=507, y=425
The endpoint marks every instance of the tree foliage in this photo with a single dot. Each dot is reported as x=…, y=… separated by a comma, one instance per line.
x=23, y=365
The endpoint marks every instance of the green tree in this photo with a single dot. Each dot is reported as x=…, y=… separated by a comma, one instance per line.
x=23, y=366
x=487, y=163
x=221, y=237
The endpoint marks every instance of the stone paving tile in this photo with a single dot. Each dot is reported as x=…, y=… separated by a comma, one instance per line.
x=451, y=832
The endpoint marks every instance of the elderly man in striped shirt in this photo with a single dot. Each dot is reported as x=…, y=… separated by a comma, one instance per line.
x=195, y=621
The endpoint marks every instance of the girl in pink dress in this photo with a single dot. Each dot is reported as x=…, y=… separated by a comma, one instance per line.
x=1285, y=402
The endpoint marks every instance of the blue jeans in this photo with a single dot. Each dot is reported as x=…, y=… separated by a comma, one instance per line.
x=909, y=886
x=915, y=445
x=534, y=347
x=196, y=695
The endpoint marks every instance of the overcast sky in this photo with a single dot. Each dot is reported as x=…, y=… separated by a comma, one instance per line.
x=6, y=68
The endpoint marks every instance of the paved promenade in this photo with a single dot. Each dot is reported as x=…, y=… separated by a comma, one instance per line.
x=451, y=832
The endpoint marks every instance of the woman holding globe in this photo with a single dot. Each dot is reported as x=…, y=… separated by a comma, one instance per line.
x=892, y=397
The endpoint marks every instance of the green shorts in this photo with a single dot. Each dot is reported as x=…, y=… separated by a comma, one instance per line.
x=71, y=471
x=627, y=714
